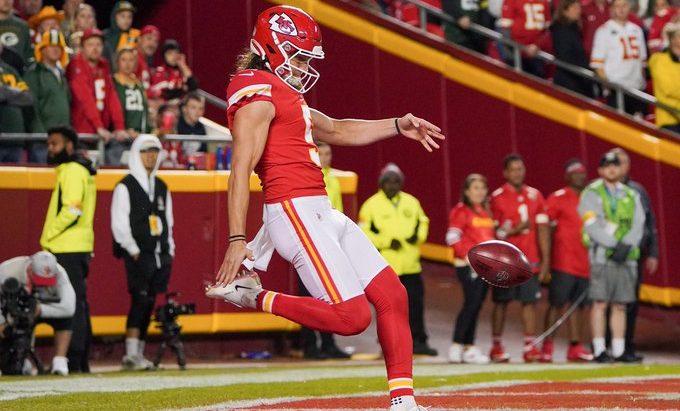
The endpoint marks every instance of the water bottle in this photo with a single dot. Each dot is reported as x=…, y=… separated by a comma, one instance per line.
x=219, y=158
x=227, y=159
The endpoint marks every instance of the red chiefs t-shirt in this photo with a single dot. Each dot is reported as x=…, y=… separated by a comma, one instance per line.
x=528, y=20
x=289, y=166
x=592, y=17
x=467, y=228
x=569, y=255
x=510, y=207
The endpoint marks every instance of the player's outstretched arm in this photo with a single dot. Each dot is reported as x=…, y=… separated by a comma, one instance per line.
x=352, y=132
x=249, y=134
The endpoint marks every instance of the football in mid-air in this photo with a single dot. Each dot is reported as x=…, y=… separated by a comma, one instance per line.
x=500, y=263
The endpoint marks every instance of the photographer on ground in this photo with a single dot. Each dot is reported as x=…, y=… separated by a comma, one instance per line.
x=141, y=222
x=47, y=291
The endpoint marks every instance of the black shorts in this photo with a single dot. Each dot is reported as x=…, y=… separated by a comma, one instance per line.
x=566, y=288
x=527, y=293
x=57, y=324
x=144, y=275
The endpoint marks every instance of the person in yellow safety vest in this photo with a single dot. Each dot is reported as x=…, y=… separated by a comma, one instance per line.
x=331, y=181
x=68, y=232
x=396, y=224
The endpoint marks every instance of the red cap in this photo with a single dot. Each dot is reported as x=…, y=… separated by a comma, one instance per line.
x=150, y=29
x=42, y=272
x=576, y=167
x=92, y=32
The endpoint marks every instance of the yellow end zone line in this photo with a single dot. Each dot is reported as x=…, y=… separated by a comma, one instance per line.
x=665, y=296
x=195, y=181
x=193, y=324
x=491, y=84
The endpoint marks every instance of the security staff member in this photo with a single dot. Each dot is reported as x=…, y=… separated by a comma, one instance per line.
x=396, y=224
x=68, y=232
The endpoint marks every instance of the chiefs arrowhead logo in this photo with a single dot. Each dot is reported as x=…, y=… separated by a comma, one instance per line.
x=283, y=24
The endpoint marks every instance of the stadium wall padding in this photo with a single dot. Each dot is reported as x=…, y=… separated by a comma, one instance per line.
x=376, y=69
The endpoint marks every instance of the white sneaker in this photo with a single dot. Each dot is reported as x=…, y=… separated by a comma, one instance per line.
x=456, y=353
x=242, y=292
x=473, y=355
x=136, y=363
x=416, y=408
x=60, y=366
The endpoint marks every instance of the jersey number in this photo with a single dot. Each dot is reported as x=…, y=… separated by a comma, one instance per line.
x=134, y=100
x=313, y=151
x=535, y=16
x=100, y=93
x=631, y=48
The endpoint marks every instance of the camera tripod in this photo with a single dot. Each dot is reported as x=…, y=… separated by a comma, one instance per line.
x=171, y=338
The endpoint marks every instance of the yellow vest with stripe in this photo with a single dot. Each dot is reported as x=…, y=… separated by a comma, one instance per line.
x=332, y=188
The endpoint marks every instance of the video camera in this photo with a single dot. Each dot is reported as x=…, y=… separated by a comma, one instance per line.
x=166, y=315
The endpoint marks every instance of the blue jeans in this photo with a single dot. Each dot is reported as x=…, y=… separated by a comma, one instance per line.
x=10, y=154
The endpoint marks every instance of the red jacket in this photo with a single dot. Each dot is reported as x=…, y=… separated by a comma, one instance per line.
x=95, y=102
x=167, y=82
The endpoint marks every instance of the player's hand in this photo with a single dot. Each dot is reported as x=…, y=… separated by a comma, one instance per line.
x=236, y=253
x=420, y=130
x=652, y=264
x=104, y=134
x=544, y=274
x=532, y=50
x=120, y=135
x=523, y=225
x=464, y=22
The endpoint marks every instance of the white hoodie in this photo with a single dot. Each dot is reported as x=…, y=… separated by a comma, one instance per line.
x=120, y=203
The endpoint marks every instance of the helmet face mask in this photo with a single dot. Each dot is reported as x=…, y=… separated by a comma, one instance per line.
x=287, y=39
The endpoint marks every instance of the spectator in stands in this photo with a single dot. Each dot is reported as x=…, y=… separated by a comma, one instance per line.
x=173, y=79
x=95, y=106
x=83, y=19
x=470, y=223
x=47, y=82
x=664, y=13
x=141, y=223
x=147, y=44
x=15, y=103
x=568, y=45
x=613, y=220
x=69, y=8
x=526, y=22
x=120, y=34
x=131, y=94
x=192, y=109
x=594, y=14
x=14, y=32
x=41, y=274
x=649, y=251
x=569, y=262
x=619, y=55
x=464, y=12
x=29, y=8
x=396, y=224
x=664, y=67
x=521, y=219
x=48, y=18
x=68, y=232
x=329, y=348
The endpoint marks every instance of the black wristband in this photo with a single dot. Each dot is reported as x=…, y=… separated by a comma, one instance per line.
x=396, y=124
x=237, y=237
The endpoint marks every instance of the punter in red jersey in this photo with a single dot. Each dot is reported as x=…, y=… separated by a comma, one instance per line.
x=273, y=131
x=527, y=22
x=519, y=212
x=470, y=223
x=570, y=267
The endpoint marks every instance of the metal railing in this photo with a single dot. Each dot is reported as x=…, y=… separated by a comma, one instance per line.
x=426, y=10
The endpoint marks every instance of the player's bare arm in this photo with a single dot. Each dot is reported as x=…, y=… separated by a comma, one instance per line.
x=249, y=134
x=544, y=246
x=352, y=132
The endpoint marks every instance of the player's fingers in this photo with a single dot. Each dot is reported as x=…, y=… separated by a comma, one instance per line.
x=436, y=134
x=432, y=142
x=427, y=146
x=430, y=126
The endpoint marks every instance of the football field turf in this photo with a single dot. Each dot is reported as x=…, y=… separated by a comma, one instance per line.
x=344, y=386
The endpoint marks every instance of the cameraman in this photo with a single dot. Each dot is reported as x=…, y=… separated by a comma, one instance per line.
x=141, y=223
x=40, y=275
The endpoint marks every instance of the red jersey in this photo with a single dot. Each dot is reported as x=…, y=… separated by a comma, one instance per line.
x=569, y=255
x=167, y=82
x=655, y=40
x=142, y=72
x=592, y=17
x=94, y=101
x=289, y=166
x=528, y=21
x=467, y=228
x=510, y=207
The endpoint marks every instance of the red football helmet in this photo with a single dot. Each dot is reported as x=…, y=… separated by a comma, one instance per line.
x=284, y=33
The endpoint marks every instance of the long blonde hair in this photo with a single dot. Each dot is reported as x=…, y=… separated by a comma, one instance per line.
x=249, y=60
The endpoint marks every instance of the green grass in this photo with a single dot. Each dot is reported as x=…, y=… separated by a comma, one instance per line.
x=191, y=397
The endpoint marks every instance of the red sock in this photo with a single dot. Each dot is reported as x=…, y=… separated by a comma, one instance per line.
x=496, y=339
x=389, y=297
x=346, y=318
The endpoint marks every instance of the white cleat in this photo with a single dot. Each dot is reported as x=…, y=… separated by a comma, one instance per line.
x=136, y=363
x=473, y=355
x=242, y=292
x=456, y=353
x=60, y=366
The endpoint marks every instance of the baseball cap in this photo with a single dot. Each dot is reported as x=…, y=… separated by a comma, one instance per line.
x=170, y=44
x=124, y=6
x=150, y=144
x=609, y=158
x=150, y=29
x=390, y=169
x=92, y=32
x=574, y=166
x=43, y=269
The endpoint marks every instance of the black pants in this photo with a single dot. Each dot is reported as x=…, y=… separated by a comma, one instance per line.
x=630, y=104
x=474, y=292
x=77, y=266
x=145, y=281
x=416, y=296
x=307, y=335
